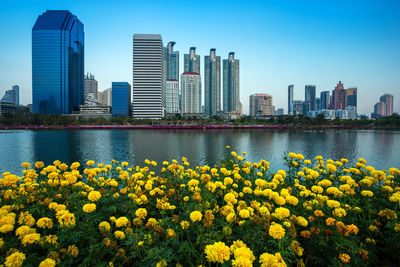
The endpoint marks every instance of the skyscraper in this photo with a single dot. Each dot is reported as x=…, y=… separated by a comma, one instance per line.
x=192, y=61
x=172, y=96
x=173, y=63
x=121, y=99
x=325, y=99
x=290, y=99
x=388, y=100
x=57, y=63
x=231, y=86
x=261, y=105
x=379, y=110
x=191, y=93
x=148, y=99
x=90, y=85
x=11, y=96
x=310, y=91
x=339, y=97
x=212, y=84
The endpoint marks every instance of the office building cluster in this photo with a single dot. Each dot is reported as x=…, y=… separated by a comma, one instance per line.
x=59, y=85
x=342, y=103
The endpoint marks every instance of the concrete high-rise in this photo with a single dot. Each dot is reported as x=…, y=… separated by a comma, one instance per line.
x=148, y=97
x=388, y=100
x=325, y=99
x=261, y=105
x=191, y=93
x=90, y=85
x=339, y=97
x=172, y=96
x=57, y=63
x=192, y=61
x=290, y=99
x=231, y=86
x=212, y=84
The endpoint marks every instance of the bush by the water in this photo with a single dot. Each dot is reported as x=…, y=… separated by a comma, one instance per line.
x=315, y=212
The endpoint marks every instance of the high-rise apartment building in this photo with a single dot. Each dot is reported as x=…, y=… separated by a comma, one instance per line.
x=11, y=96
x=261, y=105
x=325, y=99
x=339, y=97
x=121, y=99
x=90, y=85
x=212, y=84
x=172, y=96
x=192, y=61
x=190, y=93
x=57, y=63
x=379, y=110
x=298, y=106
x=105, y=97
x=148, y=98
x=388, y=100
x=231, y=86
x=310, y=95
x=290, y=99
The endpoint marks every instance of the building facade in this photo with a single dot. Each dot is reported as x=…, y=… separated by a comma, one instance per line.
x=191, y=93
x=172, y=96
x=298, y=107
x=57, y=63
x=325, y=99
x=231, y=84
x=338, y=97
x=212, y=84
x=260, y=105
x=379, y=110
x=388, y=100
x=11, y=96
x=90, y=85
x=192, y=61
x=290, y=99
x=105, y=97
x=173, y=62
x=148, y=98
x=310, y=95
x=121, y=99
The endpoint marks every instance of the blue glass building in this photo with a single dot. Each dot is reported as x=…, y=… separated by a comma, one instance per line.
x=57, y=63
x=121, y=99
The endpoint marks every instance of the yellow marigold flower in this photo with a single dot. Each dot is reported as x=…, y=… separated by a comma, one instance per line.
x=73, y=250
x=104, y=226
x=45, y=222
x=276, y=231
x=330, y=221
x=171, y=233
x=292, y=200
x=119, y=234
x=244, y=213
x=121, y=221
x=345, y=258
x=90, y=162
x=333, y=203
x=196, y=216
x=231, y=217
x=39, y=164
x=218, y=252
x=30, y=238
x=15, y=260
x=242, y=262
x=367, y=193
x=24, y=230
x=89, y=208
x=94, y=195
x=295, y=246
x=339, y=212
x=141, y=213
x=229, y=197
x=268, y=260
x=47, y=263
x=25, y=165
x=292, y=155
x=281, y=213
x=302, y=221
x=185, y=224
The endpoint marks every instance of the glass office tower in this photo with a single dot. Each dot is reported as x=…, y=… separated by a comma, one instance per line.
x=231, y=84
x=212, y=84
x=121, y=99
x=57, y=63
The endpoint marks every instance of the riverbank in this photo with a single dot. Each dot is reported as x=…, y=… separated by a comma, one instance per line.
x=196, y=127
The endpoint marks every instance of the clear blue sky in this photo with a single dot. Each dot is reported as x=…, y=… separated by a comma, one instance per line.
x=278, y=42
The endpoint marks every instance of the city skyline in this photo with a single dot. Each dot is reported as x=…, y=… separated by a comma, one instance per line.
x=363, y=56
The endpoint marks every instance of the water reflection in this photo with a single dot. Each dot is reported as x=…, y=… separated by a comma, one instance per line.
x=379, y=148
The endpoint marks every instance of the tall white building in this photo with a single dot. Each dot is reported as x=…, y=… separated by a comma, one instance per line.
x=105, y=97
x=148, y=97
x=191, y=93
x=172, y=96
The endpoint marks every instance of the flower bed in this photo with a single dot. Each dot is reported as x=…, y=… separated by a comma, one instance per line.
x=319, y=212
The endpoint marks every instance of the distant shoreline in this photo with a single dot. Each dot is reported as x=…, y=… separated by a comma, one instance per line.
x=194, y=127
